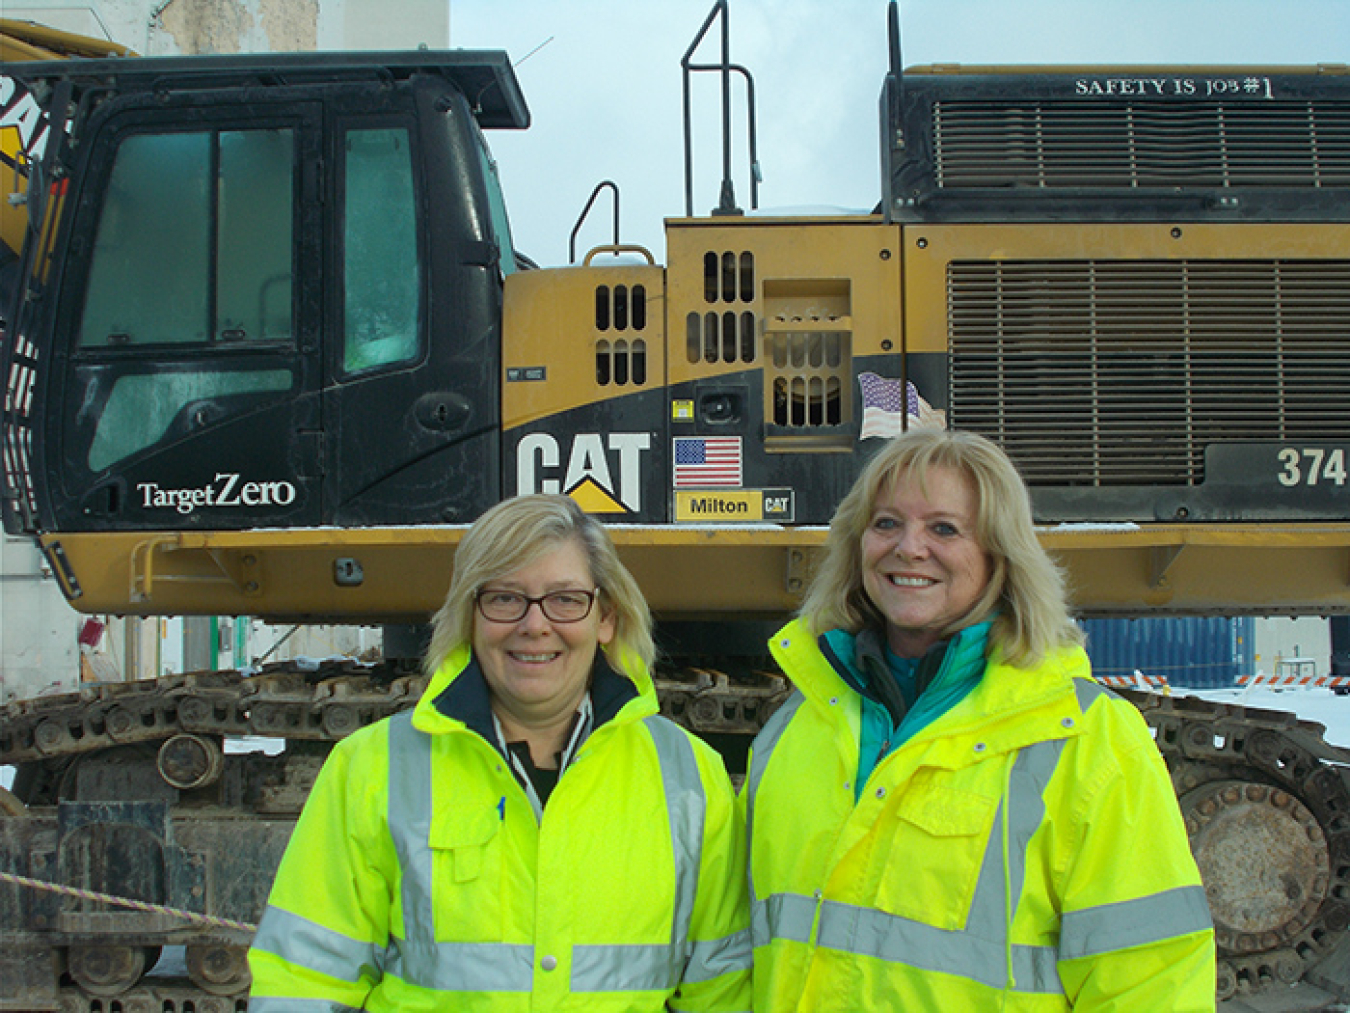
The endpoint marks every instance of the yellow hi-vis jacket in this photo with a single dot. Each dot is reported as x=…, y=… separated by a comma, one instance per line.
x=419, y=878
x=1023, y=852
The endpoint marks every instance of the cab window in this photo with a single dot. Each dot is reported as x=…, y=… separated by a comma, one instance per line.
x=501, y=226
x=194, y=242
x=380, y=268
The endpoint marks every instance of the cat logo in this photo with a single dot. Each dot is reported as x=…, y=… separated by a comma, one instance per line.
x=20, y=110
x=603, y=473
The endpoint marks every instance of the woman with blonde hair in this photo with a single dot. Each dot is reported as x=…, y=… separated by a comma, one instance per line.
x=949, y=813
x=533, y=835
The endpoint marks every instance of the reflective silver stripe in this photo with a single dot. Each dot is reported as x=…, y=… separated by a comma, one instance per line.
x=1138, y=922
x=782, y=916
x=463, y=967
x=764, y=745
x=625, y=968
x=639, y=968
x=713, y=957
x=1089, y=692
x=304, y=943
x=686, y=809
x=1031, y=772
x=264, y=1004
x=889, y=937
x=419, y=959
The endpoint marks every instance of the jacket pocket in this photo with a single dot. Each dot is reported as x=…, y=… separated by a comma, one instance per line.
x=461, y=842
x=468, y=901
x=933, y=864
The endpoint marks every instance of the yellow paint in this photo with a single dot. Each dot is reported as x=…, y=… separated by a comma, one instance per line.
x=683, y=569
x=710, y=506
x=549, y=321
x=595, y=500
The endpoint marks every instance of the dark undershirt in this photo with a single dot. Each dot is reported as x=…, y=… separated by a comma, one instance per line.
x=543, y=779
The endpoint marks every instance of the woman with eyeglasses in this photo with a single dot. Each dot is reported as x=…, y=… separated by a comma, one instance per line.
x=533, y=835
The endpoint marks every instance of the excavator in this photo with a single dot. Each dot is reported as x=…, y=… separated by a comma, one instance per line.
x=269, y=349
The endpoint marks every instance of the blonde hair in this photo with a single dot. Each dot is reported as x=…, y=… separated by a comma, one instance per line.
x=1025, y=596
x=514, y=534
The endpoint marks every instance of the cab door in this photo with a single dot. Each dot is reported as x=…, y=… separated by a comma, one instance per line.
x=189, y=394
x=411, y=411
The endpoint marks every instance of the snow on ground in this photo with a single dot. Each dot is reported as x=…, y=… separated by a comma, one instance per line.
x=1311, y=704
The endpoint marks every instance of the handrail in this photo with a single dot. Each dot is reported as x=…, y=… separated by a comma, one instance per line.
x=572, y=240
x=756, y=177
x=617, y=249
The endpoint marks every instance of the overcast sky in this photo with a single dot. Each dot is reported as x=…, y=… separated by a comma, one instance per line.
x=605, y=89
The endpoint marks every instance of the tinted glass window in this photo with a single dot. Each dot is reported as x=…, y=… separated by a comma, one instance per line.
x=497, y=203
x=194, y=241
x=381, y=279
x=253, y=241
x=141, y=407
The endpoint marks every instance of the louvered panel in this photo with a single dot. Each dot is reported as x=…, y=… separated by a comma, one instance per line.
x=1120, y=373
x=1076, y=143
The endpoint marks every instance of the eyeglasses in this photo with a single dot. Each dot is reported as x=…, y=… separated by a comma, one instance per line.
x=557, y=606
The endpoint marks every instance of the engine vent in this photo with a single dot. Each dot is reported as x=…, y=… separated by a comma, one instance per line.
x=621, y=308
x=1120, y=373
x=720, y=337
x=727, y=334
x=621, y=361
x=1052, y=144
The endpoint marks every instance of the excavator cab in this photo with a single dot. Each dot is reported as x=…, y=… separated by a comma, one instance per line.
x=236, y=317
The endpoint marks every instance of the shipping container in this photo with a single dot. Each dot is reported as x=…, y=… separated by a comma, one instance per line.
x=1195, y=653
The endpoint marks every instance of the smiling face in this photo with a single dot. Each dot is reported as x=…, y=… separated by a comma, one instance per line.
x=537, y=670
x=922, y=565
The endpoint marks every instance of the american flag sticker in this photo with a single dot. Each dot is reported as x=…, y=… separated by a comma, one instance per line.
x=708, y=462
x=886, y=402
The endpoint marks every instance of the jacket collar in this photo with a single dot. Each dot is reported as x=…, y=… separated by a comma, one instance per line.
x=1009, y=708
x=457, y=695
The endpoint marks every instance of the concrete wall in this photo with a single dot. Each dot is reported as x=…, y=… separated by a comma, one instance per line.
x=171, y=27
x=1293, y=646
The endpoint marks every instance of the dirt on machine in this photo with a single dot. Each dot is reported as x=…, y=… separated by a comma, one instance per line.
x=269, y=349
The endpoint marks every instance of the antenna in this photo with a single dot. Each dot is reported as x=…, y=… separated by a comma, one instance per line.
x=893, y=111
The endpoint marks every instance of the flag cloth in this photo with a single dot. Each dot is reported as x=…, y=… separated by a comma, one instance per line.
x=884, y=403
x=701, y=462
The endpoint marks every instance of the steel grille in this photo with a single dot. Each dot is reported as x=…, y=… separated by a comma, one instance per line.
x=1113, y=145
x=1120, y=373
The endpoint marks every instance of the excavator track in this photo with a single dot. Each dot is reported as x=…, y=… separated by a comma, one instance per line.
x=1267, y=811
x=177, y=795
x=128, y=789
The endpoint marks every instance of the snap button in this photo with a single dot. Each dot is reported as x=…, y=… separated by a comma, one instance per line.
x=833, y=700
x=979, y=747
x=848, y=785
x=818, y=894
x=1067, y=722
x=881, y=793
x=785, y=643
x=549, y=963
